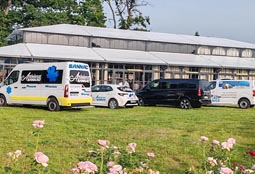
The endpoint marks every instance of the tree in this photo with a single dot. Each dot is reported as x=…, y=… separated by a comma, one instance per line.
x=128, y=14
x=32, y=13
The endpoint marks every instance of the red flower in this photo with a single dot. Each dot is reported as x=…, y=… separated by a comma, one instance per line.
x=251, y=152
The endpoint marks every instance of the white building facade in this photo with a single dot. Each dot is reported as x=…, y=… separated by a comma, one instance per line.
x=117, y=55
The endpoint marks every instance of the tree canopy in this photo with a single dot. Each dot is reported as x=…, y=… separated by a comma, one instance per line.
x=32, y=13
x=126, y=14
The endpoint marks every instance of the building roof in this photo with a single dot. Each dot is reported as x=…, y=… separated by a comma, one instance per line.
x=135, y=35
x=74, y=53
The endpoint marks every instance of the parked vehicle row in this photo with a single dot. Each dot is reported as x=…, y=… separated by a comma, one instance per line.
x=68, y=84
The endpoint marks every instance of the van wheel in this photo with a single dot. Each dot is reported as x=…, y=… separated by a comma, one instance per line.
x=185, y=104
x=244, y=103
x=113, y=104
x=53, y=104
x=140, y=101
x=2, y=100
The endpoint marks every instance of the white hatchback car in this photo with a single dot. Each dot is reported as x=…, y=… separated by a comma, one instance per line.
x=113, y=96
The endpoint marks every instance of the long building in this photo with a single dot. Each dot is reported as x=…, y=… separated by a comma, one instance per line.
x=116, y=55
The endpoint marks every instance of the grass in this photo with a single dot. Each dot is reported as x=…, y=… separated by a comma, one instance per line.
x=171, y=133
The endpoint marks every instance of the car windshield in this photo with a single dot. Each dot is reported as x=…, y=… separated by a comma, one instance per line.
x=125, y=89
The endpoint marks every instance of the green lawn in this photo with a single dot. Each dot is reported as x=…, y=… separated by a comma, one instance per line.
x=171, y=133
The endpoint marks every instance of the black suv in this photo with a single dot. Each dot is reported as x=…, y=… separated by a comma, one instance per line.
x=185, y=93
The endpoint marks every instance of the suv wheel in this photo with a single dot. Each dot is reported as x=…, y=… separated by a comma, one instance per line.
x=185, y=103
x=244, y=103
x=140, y=101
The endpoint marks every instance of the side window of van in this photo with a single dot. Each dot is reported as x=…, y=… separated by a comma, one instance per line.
x=168, y=85
x=13, y=78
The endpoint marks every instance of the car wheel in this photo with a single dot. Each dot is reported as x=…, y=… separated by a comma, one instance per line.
x=185, y=104
x=140, y=101
x=53, y=104
x=244, y=103
x=2, y=100
x=113, y=104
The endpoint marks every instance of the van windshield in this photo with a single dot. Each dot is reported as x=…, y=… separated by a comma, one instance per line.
x=211, y=86
x=80, y=77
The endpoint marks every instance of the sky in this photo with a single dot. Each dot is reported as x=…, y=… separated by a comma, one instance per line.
x=232, y=19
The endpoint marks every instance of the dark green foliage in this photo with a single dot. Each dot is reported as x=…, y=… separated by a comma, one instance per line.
x=32, y=13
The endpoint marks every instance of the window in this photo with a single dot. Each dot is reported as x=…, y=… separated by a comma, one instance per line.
x=246, y=53
x=154, y=85
x=233, y=52
x=95, y=89
x=41, y=76
x=12, y=78
x=80, y=77
x=204, y=50
x=219, y=51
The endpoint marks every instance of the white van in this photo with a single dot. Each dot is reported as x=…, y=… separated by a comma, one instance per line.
x=233, y=92
x=56, y=84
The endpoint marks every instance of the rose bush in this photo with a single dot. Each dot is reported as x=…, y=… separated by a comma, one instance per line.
x=217, y=159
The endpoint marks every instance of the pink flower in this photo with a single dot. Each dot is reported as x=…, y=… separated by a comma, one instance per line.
x=103, y=143
x=38, y=123
x=110, y=163
x=74, y=170
x=212, y=161
x=216, y=142
x=87, y=166
x=151, y=154
x=231, y=140
x=41, y=158
x=115, y=169
x=203, y=138
x=131, y=147
x=14, y=155
x=226, y=170
x=226, y=145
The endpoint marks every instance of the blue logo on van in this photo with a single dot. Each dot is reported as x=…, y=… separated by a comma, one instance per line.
x=52, y=74
x=78, y=66
x=9, y=90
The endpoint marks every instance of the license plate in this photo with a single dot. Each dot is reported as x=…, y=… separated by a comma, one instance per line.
x=133, y=101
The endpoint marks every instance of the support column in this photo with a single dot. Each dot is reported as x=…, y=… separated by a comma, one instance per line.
x=97, y=74
x=105, y=74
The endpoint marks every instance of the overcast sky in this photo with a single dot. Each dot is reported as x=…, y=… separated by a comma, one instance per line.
x=233, y=19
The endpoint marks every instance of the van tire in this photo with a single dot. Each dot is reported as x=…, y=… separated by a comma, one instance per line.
x=113, y=104
x=53, y=104
x=3, y=100
x=244, y=103
x=185, y=103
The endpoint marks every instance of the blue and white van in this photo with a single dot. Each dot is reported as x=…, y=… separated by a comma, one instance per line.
x=233, y=92
x=55, y=85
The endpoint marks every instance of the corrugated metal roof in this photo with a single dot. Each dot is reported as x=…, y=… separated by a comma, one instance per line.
x=185, y=59
x=18, y=50
x=232, y=62
x=128, y=56
x=74, y=53
x=140, y=35
x=63, y=52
